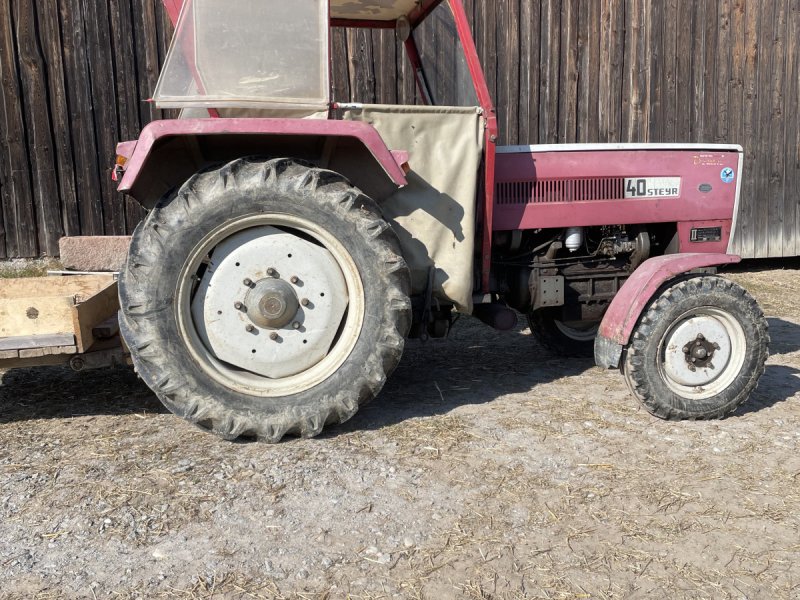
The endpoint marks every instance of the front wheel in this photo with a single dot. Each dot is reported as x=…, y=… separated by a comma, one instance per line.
x=698, y=351
x=264, y=298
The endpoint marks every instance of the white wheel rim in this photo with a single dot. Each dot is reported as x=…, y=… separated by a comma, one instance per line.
x=583, y=334
x=702, y=353
x=236, y=377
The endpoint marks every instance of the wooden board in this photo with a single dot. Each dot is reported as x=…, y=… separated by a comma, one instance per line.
x=28, y=342
x=92, y=312
x=83, y=286
x=54, y=311
x=33, y=316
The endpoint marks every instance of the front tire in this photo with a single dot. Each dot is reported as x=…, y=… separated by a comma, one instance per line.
x=698, y=351
x=265, y=298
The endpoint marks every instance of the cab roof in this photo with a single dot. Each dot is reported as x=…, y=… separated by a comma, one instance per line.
x=380, y=10
x=356, y=13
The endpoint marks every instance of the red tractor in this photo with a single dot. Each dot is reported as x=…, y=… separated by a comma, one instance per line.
x=293, y=243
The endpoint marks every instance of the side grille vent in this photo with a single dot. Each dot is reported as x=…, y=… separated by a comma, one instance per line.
x=560, y=190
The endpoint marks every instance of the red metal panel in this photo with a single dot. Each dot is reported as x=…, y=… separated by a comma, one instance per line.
x=300, y=127
x=696, y=168
x=627, y=306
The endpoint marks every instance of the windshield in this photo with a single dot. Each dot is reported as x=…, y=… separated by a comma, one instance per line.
x=443, y=60
x=247, y=53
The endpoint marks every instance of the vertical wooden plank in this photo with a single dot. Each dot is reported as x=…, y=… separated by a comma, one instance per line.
x=776, y=154
x=103, y=86
x=766, y=73
x=41, y=154
x=386, y=78
x=127, y=92
x=735, y=133
x=147, y=56
x=362, y=69
x=711, y=103
x=340, y=76
x=18, y=207
x=669, y=74
x=568, y=73
x=486, y=20
x=657, y=65
x=81, y=107
x=612, y=65
x=508, y=65
x=698, y=87
x=530, y=22
x=791, y=205
x=724, y=80
x=588, y=127
x=635, y=96
x=686, y=51
x=50, y=38
x=548, y=83
x=749, y=206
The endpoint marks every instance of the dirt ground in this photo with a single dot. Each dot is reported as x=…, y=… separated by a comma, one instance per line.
x=487, y=468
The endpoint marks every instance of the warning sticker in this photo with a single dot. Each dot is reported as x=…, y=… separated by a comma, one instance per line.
x=728, y=175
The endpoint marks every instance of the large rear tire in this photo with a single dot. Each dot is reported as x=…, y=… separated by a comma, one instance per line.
x=698, y=351
x=265, y=298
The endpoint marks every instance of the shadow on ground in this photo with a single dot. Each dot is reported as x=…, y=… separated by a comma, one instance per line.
x=475, y=366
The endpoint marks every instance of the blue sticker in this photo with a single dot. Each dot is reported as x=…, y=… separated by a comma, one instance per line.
x=728, y=175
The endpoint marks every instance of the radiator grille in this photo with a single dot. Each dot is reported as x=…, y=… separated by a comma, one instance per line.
x=559, y=190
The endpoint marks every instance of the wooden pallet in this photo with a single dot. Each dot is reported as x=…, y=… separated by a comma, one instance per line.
x=51, y=320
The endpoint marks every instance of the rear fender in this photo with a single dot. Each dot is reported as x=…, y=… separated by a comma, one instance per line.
x=169, y=152
x=636, y=294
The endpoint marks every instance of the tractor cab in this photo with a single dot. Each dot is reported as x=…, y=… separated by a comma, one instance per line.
x=275, y=58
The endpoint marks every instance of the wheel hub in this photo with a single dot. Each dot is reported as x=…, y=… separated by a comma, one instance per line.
x=272, y=303
x=700, y=352
x=697, y=351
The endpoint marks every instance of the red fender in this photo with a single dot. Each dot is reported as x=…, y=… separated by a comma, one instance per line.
x=368, y=156
x=637, y=292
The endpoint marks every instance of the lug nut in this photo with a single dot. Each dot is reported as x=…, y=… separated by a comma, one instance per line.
x=296, y=325
x=305, y=302
x=273, y=336
x=716, y=346
x=238, y=305
x=271, y=272
x=694, y=360
x=294, y=279
x=248, y=282
x=686, y=349
x=250, y=329
x=700, y=336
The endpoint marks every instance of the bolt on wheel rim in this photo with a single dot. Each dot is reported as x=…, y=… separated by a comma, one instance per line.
x=702, y=353
x=270, y=305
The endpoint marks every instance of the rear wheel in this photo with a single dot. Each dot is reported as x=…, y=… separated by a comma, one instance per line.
x=265, y=298
x=571, y=339
x=698, y=351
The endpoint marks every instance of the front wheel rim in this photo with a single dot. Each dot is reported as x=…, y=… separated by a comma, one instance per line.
x=702, y=353
x=240, y=379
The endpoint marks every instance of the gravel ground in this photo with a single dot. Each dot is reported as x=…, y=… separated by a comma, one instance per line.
x=486, y=469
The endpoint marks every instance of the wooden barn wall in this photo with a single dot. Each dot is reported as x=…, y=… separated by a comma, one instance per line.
x=76, y=74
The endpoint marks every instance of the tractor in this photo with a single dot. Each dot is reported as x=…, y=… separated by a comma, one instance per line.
x=295, y=241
